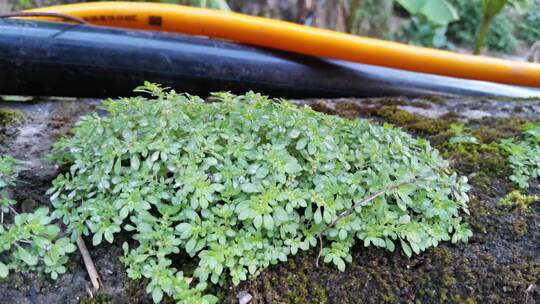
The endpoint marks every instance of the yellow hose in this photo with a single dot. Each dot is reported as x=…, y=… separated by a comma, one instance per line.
x=298, y=38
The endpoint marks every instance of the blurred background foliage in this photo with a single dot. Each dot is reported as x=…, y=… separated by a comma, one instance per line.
x=446, y=24
x=501, y=35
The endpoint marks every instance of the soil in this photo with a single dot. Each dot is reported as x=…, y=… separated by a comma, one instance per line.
x=501, y=263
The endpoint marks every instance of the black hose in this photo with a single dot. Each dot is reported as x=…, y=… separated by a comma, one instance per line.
x=61, y=59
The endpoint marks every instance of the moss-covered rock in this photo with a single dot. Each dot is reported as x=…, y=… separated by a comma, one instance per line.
x=499, y=265
x=9, y=117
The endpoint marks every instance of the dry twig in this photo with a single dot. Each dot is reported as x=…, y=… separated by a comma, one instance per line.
x=90, y=268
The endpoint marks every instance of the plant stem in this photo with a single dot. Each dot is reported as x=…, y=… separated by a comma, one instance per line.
x=13, y=210
x=482, y=34
x=367, y=199
x=352, y=18
x=373, y=196
x=320, y=252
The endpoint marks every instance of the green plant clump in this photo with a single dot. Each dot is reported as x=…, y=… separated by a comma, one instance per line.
x=243, y=182
x=26, y=239
x=524, y=156
x=461, y=135
x=517, y=198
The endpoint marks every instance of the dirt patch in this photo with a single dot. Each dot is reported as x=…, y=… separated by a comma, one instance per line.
x=501, y=263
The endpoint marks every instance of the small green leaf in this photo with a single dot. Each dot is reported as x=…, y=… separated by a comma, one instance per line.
x=292, y=167
x=135, y=163
x=339, y=263
x=210, y=299
x=390, y=245
x=415, y=247
x=257, y=221
x=190, y=245
x=406, y=248
x=327, y=216
x=342, y=234
x=108, y=236
x=378, y=242
x=294, y=133
x=157, y=294
x=249, y=188
x=268, y=222
x=97, y=238
x=317, y=217
x=301, y=144
x=27, y=257
x=183, y=227
x=4, y=270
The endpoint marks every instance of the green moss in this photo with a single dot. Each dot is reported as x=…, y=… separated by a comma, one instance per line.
x=387, y=110
x=520, y=227
x=9, y=117
x=299, y=286
x=459, y=299
x=348, y=109
x=494, y=129
x=516, y=99
x=482, y=163
x=134, y=290
x=443, y=254
x=397, y=116
x=516, y=198
x=438, y=100
x=320, y=293
x=100, y=298
x=412, y=122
